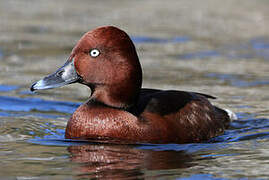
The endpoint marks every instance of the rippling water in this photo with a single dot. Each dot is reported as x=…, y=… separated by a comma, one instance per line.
x=186, y=45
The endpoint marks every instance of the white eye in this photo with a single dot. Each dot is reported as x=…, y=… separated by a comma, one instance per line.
x=94, y=52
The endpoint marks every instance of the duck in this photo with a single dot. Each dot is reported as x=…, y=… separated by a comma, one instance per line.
x=119, y=109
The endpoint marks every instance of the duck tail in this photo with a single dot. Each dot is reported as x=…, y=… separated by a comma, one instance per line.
x=231, y=114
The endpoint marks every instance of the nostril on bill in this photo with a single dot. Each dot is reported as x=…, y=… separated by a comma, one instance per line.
x=60, y=73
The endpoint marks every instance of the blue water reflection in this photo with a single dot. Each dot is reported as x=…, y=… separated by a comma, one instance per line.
x=6, y=88
x=145, y=39
x=8, y=103
x=255, y=48
x=237, y=81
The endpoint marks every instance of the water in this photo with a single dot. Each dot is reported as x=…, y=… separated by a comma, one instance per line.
x=219, y=49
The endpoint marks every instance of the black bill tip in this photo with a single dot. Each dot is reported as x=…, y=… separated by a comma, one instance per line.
x=32, y=88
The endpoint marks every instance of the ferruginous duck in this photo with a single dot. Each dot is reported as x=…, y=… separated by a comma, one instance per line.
x=118, y=109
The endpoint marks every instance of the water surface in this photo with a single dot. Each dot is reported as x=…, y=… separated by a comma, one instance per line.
x=219, y=49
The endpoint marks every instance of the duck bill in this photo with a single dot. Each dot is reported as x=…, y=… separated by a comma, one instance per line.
x=65, y=75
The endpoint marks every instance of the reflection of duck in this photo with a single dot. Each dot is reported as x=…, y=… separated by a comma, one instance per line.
x=118, y=161
x=105, y=59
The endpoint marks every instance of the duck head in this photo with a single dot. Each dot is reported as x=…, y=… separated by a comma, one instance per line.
x=105, y=60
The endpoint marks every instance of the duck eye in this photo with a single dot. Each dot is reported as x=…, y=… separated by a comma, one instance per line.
x=94, y=53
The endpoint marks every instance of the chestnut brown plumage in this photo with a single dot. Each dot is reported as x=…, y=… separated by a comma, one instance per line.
x=119, y=110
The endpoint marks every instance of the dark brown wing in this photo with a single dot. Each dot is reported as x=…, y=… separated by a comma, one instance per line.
x=190, y=116
x=206, y=95
x=166, y=101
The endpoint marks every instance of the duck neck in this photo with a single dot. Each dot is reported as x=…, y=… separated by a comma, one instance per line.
x=122, y=95
x=116, y=97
